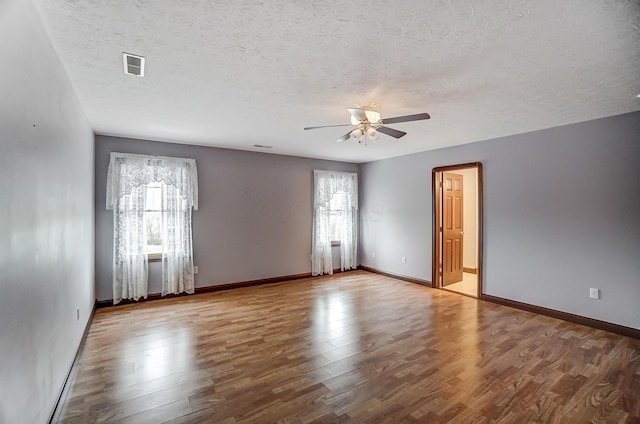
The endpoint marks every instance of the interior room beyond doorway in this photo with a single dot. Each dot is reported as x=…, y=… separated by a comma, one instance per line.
x=457, y=225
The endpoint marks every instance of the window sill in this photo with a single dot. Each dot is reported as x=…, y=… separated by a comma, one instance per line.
x=335, y=243
x=154, y=257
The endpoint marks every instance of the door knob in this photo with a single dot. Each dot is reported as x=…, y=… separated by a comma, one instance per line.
x=461, y=233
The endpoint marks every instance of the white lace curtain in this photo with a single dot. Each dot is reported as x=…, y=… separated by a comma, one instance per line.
x=127, y=180
x=344, y=208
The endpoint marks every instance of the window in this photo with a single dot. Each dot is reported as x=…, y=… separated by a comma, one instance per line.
x=152, y=199
x=335, y=220
x=153, y=221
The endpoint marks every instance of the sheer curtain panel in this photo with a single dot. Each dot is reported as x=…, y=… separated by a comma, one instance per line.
x=127, y=180
x=335, y=196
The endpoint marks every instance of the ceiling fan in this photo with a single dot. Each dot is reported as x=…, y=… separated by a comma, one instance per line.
x=368, y=124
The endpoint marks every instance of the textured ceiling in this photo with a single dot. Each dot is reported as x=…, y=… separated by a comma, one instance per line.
x=234, y=73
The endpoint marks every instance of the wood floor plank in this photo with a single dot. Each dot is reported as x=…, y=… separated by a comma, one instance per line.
x=356, y=347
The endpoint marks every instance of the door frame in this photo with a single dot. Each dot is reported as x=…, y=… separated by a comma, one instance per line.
x=436, y=194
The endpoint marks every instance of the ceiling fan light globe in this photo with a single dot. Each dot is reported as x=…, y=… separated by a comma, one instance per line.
x=354, y=121
x=372, y=116
x=373, y=133
x=356, y=134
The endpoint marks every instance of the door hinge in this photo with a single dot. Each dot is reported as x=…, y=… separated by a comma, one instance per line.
x=440, y=184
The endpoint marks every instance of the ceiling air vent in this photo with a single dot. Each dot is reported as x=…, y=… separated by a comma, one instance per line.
x=133, y=65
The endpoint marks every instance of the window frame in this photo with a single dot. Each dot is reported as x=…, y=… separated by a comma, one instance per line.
x=334, y=213
x=153, y=256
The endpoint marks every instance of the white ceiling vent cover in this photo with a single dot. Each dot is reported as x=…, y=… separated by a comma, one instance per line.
x=133, y=65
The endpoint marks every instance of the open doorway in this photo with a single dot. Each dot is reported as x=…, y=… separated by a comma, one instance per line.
x=457, y=228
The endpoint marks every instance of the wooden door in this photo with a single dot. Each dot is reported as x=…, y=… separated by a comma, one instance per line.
x=452, y=228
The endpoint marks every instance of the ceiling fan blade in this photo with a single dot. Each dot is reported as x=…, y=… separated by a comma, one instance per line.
x=391, y=132
x=406, y=118
x=344, y=137
x=327, y=126
x=357, y=113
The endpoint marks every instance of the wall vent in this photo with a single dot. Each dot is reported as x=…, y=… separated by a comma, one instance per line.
x=262, y=146
x=133, y=65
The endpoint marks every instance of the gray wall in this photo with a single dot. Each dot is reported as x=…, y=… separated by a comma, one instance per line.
x=46, y=211
x=562, y=214
x=254, y=219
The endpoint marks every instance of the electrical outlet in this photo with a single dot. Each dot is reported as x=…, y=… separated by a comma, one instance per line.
x=404, y=260
x=594, y=293
x=78, y=313
x=373, y=255
x=195, y=269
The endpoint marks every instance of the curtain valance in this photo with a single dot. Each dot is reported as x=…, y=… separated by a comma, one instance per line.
x=328, y=183
x=127, y=171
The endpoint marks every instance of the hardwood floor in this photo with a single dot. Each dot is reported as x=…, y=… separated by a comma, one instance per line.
x=356, y=347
